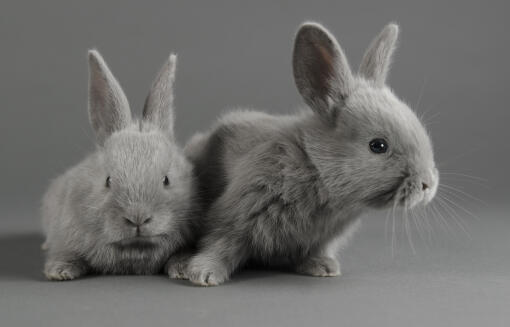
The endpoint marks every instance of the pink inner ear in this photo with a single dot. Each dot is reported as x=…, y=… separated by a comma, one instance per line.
x=326, y=56
x=324, y=69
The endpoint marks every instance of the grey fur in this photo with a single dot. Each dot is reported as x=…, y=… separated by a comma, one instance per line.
x=108, y=106
x=376, y=61
x=288, y=190
x=321, y=70
x=133, y=225
x=159, y=103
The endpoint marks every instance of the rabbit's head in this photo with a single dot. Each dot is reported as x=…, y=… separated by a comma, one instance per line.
x=144, y=185
x=367, y=144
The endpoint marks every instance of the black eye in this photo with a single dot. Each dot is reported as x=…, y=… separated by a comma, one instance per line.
x=166, y=181
x=378, y=146
x=108, y=179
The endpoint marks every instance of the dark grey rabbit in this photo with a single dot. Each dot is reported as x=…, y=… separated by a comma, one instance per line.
x=287, y=190
x=126, y=207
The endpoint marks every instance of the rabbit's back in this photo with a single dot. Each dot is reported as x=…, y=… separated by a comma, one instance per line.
x=235, y=135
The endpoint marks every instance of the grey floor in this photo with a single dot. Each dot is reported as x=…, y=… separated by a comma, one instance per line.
x=453, y=278
x=451, y=66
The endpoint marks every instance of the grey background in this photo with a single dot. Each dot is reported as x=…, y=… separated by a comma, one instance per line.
x=451, y=66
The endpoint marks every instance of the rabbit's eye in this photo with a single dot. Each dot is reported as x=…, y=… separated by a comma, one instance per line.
x=108, y=181
x=378, y=146
x=166, y=181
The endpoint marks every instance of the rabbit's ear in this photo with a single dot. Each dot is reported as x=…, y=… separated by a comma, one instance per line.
x=377, y=59
x=321, y=70
x=108, y=106
x=158, y=108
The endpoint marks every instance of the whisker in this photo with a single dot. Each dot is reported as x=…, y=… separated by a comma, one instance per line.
x=386, y=223
x=452, y=191
x=419, y=222
x=430, y=119
x=393, y=239
x=457, y=219
x=454, y=216
x=429, y=217
x=444, y=197
x=440, y=215
x=427, y=223
x=460, y=179
x=412, y=221
x=416, y=222
x=407, y=229
x=464, y=175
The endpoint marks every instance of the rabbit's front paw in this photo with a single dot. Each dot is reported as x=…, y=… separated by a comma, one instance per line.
x=177, y=266
x=206, y=273
x=62, y=271
x=319, y=267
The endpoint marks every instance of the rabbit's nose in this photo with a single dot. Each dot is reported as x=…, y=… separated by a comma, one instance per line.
x=424, y=186
x=137, y=221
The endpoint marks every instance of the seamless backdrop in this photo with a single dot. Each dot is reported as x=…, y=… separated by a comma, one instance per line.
x=452, y=67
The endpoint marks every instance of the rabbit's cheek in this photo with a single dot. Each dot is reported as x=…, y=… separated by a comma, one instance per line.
x=409, y=194
x=159, y=228
x=115, y=233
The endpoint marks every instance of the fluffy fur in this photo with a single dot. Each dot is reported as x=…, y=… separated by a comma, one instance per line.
x=114, y=212
x=289, y=189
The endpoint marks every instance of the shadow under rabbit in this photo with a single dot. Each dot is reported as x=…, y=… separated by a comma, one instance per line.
x=21, y=256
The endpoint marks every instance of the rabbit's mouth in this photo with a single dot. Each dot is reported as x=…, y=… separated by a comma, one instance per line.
x=418, y=189
x=386, y=197
x=406, y=192
x=412, y=193
x=409, y=196
x=138, y=242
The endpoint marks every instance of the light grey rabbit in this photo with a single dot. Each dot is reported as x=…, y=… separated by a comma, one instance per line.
x=288, y=190
x=126, y=207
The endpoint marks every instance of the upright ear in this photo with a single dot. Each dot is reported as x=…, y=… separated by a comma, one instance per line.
x=321, y=71
x=377, y=59
x=158, y=108
x=108, y=106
